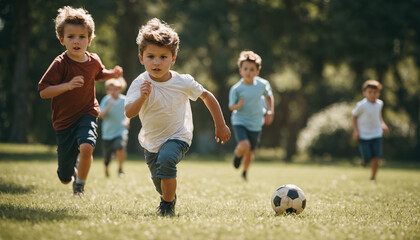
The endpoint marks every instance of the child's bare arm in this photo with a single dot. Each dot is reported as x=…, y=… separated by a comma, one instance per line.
x=269, y=116
x=116, y=72
x=222, y=132
x=355, y=129
x=55, y=90
x=384, y=126
x=104, y=113
x=133, y=109
x=238, y=105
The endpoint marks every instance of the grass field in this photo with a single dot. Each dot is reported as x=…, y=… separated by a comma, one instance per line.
x=213, y=201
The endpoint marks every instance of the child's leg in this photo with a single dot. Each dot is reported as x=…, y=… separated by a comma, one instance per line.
x=242, y=148
x=121, y=155
x=248, y=157
x=67, y=151
x=86, y=138
x=168, y=186
x=170, y=154
x=151, y=159
x=85, y=160
x=107, y=152
x=375, y=166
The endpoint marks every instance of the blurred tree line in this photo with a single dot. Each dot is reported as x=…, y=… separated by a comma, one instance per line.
x=316, y=54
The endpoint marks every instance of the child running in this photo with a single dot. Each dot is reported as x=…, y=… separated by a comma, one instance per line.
x=368, y=125
x=249, y=112
x=70, y=83
x=115, y=124
x=161, y=97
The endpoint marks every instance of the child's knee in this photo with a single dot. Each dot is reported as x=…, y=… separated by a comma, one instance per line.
x=245, y=145
x=86, y=147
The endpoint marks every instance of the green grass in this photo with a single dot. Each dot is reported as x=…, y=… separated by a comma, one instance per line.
x=213, y=201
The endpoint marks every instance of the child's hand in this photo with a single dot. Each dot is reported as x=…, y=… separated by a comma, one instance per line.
x=118, y=71
x=356, y=135
x=385, y=127
x=76, y=82
x=145, y=88
x=268, y=118
x=222, y=134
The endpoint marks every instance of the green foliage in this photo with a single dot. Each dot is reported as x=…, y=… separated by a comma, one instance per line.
x=213, y=202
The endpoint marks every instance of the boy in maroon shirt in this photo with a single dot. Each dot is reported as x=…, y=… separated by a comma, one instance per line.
x=70, y=83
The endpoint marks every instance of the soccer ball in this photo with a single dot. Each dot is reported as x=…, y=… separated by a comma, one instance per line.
x=288, y=198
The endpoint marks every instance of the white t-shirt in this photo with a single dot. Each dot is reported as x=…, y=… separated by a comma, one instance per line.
x=166, y=114
x=368, y=118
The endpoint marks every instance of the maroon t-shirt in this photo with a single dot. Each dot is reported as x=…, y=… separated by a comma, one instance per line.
x=69, y=106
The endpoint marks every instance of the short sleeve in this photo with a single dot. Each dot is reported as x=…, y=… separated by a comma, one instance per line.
x=268, y=91
x=53, y=75
x=195, y=89
x=101, y=69
x=357, y=110
x=134, y=92
x=233, y=98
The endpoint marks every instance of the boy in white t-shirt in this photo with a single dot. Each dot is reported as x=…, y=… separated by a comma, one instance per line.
x=161, y=99
x=368, y=125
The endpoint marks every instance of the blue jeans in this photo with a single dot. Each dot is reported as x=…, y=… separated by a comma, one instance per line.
x=163, y=163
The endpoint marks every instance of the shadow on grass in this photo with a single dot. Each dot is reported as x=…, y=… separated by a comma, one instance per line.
x=28, y=157
x=13, y=188
x=35, y=215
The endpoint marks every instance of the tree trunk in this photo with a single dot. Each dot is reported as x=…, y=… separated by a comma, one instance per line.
x=20, y=76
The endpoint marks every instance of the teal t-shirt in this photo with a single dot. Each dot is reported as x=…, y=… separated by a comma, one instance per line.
x=251, y=113
x=113, y=123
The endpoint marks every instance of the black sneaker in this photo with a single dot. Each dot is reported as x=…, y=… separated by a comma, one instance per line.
x=166, y=208
x=74, y=178
x=120, y=173
x=78, y=189
x=244, y=175
x=237, y=161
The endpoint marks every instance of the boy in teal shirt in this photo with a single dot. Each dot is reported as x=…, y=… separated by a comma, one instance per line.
x=248, y=111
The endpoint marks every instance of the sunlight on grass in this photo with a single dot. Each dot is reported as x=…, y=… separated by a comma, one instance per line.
x=213, y=203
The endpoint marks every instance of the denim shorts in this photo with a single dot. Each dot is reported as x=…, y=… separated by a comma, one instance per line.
x=69, y=140
x=110, y=146
x=163, y=163
x=370, y=148
x=242, y=133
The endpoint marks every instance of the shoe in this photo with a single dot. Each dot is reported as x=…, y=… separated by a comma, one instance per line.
x=244, y=175
x=120, y=173
x=237, y=161
x=78, y=189
x=74, y=178
x=166, y=208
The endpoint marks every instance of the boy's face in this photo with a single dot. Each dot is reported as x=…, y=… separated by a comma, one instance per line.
x=76, y=40
x=371, y=94
x=157, y=60
x=113, y=91
x=248, y=71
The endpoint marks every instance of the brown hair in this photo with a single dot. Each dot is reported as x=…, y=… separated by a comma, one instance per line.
x=76, y=16
x=371, y=84
x=160, y=33
x=117, y=82
x=251, y=57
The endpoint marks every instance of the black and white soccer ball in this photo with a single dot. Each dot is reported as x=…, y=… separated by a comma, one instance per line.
x=288, y=198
